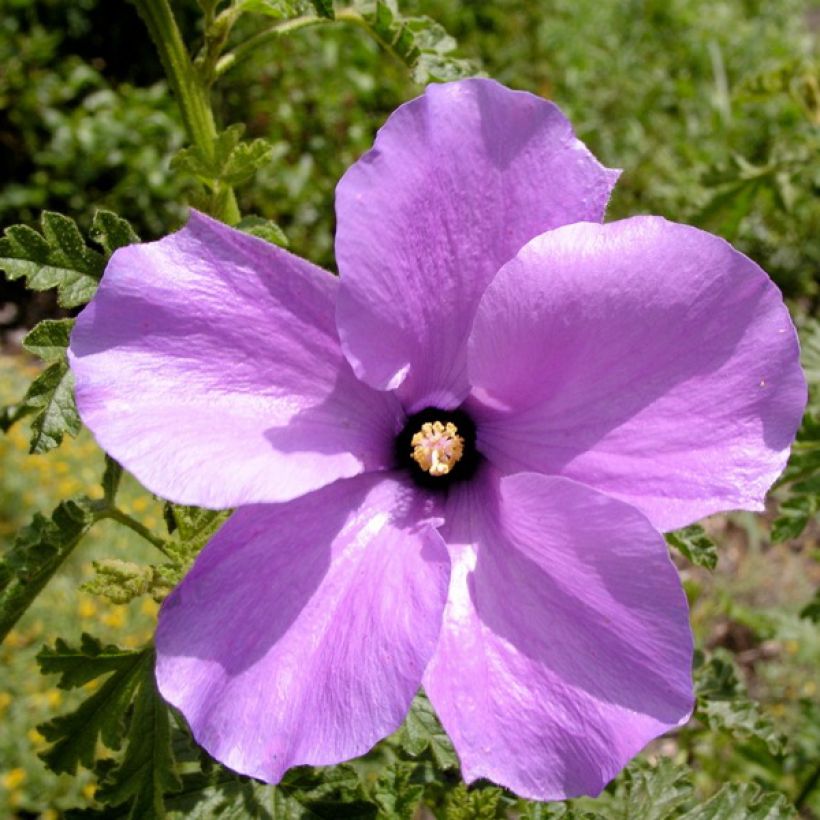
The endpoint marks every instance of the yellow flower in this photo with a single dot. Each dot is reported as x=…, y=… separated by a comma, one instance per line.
x=5, y=701
x=89, y=790
x=149, y=607
x=115, y=617
x=13, y=778
x=35, y=738
x=54, y=697
x=86, y=608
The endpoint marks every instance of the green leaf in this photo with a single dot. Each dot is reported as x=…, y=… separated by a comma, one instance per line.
x=99, y=718
x=743, y=801
x=722, y=702
x=232, y=162
x=811, y=611
x=263, y=228
x=112, y=231
x=793, y=516
x=419, y=42
x=77, y=666
x=422, y=731
x=147, y=770
x=49, y=339
x=653, y=792
x=398, y=791
x=695, y=545
x=51, y=398
x=324, y=8
x=473, y=804
x=111, y=479
x=56, y=258
x=305, y=793
x=38, y=551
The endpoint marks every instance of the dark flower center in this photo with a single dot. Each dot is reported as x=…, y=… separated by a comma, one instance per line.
x=437, y=447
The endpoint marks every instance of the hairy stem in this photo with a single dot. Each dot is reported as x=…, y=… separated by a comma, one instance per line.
x=123, y=518
x=274, y=32
x=191, y=92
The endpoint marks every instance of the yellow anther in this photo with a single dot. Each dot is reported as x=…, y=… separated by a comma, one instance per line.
x=437, y=447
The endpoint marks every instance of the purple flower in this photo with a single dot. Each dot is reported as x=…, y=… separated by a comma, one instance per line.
x=453, y=462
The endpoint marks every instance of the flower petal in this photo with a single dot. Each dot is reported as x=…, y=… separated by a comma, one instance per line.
x=644, y=358
x=301, y=634
x=566, y=644
x=209, y=365
x=457, y=181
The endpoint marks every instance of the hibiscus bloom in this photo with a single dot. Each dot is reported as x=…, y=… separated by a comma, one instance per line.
x=451, y=464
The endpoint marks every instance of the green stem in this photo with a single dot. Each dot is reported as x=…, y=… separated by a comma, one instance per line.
x=274, y=32
x=123, y=518
x=192, y=95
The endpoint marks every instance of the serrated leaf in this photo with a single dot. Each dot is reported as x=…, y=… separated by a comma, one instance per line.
x=49, y=339
x=722, y=703
x=232, y=161
x=51, y=398
x=245, y=160
x=695, y=545
x=77, y=666
x=112, y=231
x=473, y=804
x=420, y=43
x=146, y=771
x=398, y=791
x=38, y=551
x=305, y=793
x=422, y=731
x=265, y=229
x=793, y=517
x=99, y=718
x=653, y=792
x=57, y=258
x=743, y=801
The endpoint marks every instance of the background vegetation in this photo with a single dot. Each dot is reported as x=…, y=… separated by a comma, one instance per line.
x=711, y=107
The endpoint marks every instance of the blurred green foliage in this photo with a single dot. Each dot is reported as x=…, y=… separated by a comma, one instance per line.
x=711, y=108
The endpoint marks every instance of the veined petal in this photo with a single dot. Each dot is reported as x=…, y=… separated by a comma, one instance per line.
x=208, y=364
x=647, y=359
x=302, y=631
x=457, y=181
x=566, y=644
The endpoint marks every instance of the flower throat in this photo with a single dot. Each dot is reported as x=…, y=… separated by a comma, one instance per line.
x=437, y=447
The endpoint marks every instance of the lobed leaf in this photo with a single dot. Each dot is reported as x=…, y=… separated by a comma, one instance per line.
x=398, y=791
x=743, y=801
x=232, y=162
x=112, y=231
x=38, y=551
x=263, y=228
x=100, y=718
x=695, y=545
x=56, y=258
x=473, y=804
x=422, y=731
x=77, y=666
x=722, y=702
x=49, y=339
x=419, y=42
x=50, y=398
x=146, y=771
